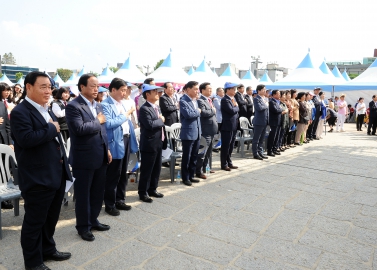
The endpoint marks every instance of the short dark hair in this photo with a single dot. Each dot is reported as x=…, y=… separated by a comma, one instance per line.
x=300, y=95
x=31, y=77
x=203, y=86
x=191, y=84
x=84, y=80
x=218, y=89
x=293, y=91
x=3, y=86
x=320, y=93
x=361, y=98
x=165, y=85
x=241, y=85
x=148, y=80
x=249, y=88
x=60, y=92
x=117, y=83
x=274, y=92
x=260, y=87
x=373, y=96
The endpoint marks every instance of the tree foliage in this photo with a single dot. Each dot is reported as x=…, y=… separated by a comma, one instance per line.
x=114, y=69
x=19, y=75
x=1, y=75
x=8, y=59
x=64, y=73
x=158, y=64
x=94, y=73
x=353, y=76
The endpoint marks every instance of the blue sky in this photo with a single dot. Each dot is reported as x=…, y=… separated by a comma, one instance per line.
x=70, y=34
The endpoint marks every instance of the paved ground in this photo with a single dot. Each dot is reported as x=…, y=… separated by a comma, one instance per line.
x=314, y=207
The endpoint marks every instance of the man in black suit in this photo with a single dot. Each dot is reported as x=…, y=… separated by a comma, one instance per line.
x=152, y=141
x=275, y=112
x=229, y=111
x=317, y=103
x=89, y=156
x=249, y=102
x=260, y=122
x=241, y=101
x=169, y=105
x=42, y=170
x=372, y=116
x=209, y=127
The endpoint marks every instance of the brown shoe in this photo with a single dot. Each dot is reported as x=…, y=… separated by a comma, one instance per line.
x=211, y=171
x=226, y=169
x=200, y=175
x=233, y=167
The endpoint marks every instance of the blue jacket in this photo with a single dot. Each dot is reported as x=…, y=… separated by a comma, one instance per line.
x=260, y=112
x=229, y=113
x=274, y=113
x=190, y=119
x=114, y=129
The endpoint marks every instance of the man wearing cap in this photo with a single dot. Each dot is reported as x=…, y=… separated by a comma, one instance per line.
x=249, y=102
x=260, y=122
x=190, y=132
x=229, y=111
x=152, y=141
x=318, y=112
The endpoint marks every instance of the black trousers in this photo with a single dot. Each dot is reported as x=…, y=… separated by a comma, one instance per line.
x=189, y=158
x=150, y=169
x=309, y=131
x=372, y=124
x=258, y=139
x=116, y=178
x=314, y=126
x=42, y=209
x=359, y=121
x=203, y=158
x=273, y=139
x=227, y=145
x=89, y=190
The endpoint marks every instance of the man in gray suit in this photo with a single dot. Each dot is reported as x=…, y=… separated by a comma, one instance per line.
x=209, y=127
x=260, y=122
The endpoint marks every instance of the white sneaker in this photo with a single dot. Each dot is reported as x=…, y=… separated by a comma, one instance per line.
x=342, y=130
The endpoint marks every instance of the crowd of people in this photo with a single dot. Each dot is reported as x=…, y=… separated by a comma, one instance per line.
x=100, y=125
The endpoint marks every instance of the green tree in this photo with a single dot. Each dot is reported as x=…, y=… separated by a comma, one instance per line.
x=158, y=64
x=64, y=73
x=114, y=69
x=1, y=75
x=94, y=73
x=19, y=75
x=8, y=59
x=353, y=76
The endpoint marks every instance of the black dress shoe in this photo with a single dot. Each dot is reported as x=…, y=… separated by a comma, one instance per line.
x=226, y=169
x=122, y=206
x=263, y=156
x=258, y=157
x=270, y=154
x=296, y=143
x=87, y=236
x=281, y=149
x=112, y=211
x=165, y=164
x=277, y=153
x=233, y=167
x=39, y=267
x=57, y=256
x=155, y=194
x=193, y=180
x=146, y=198
x=6, y=205
x=187, y=183
x=101, y=227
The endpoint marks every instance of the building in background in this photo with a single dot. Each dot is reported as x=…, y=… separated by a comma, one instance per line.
x=11, y=70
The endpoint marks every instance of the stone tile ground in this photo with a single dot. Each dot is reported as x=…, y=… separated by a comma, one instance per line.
x=313, y=207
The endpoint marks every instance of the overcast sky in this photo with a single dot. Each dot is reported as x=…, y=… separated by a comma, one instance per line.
x=70, y=34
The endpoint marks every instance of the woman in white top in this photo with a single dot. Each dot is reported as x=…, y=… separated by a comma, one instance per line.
x=58, y=108
x=129, y=104
x=360, y=112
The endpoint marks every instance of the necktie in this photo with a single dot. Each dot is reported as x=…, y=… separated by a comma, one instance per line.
x=210, y=102
x=162, y=129
x=65, y=103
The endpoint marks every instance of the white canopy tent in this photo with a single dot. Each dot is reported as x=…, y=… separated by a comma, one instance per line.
x=249, y=80
x=130, y=73
x=106, y=76
x=228, y=76
x=6, y=80
x=204, y=74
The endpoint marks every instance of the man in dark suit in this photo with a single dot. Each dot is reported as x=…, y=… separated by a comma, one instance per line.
x=275, y=113
x=249, y=102
x=89, y=156
x=190, y=132
x=209, y=127
x=241, y=101
x=318, y=112
x=152, y=141
x=229, y=111
x=372, y=125
x=260, y=122
x=42, y=170
x=169, y=105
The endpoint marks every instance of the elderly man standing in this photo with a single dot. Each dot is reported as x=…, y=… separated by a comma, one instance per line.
x=43, y=171
x=169, y=105
x=190, y=132
x=318, y=112
x=217, y=104
x=89, y=156
x=209, y=127
x=260, y=122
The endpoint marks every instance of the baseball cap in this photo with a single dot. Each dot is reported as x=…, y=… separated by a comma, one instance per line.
x=102, y=89
x=230, y=85
x=149, y=87
x=255, y=92
x=317, y=88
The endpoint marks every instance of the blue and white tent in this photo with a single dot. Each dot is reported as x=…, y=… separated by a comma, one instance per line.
x=204, y=74
x=130, y=73
x=58, y=80
x=338, y=75
x=192, y=70
x=228, y=76
x=265, y=79
x=21, y=81
x=345, y=75
x=249, y=80
x=6, y=80
x=106, y=76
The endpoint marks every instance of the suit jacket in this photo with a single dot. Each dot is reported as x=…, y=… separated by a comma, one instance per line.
x=317, y=105
x=168, y=110
x=217, y=103
x=190, y=119
x=5, y=126
x=242, y=104
x=274, y=113
x=249, y=106
x=229, y=113
x=89, y=144
x=114, y=129
x=151, y=128
x=372, y=109
x=207, y=117
x=260, y=112
x=37, y=151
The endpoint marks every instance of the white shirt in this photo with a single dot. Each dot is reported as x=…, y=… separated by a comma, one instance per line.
x=42, y=109
x=362, y=107
x=57, y=111
x=122, y=110
x=154, y=106
x=194, y=102
x=128, y=104
x=92, y=106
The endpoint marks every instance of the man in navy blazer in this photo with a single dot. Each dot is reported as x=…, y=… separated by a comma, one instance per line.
x=275, y=113
x=118, y=135
x=169, y=105
x=42, y=170
x=260, y=122
x=152, y=141
x=89, y=155
x=190, y=132
x=229, y=111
